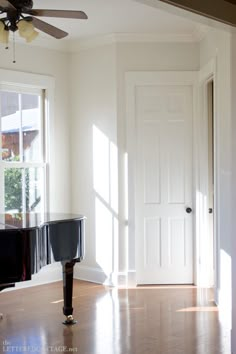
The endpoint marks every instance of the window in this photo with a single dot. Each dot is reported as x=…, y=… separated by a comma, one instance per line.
x=23, y=167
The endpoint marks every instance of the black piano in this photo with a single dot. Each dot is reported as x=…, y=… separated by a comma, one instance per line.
x=30, y=241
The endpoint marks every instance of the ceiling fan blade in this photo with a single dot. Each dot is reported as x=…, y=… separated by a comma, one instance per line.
x=6, y=5
x=49, y=29
x=57, y=13
x=220, y=10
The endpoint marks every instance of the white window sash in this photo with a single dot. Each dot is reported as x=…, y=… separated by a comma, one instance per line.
x=21, y=164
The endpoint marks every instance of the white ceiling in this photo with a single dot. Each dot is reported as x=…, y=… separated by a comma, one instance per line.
x=116, y=17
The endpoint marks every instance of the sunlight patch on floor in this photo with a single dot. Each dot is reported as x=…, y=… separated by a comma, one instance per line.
x=199, y=309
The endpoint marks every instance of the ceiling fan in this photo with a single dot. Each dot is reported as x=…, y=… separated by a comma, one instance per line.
x=19, y=15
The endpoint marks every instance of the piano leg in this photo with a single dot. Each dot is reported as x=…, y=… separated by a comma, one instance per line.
x=68, y=269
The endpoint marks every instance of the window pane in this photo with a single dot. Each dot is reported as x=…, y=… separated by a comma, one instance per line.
x=9, y=103
x=10, y=123
x=13, y=189
x=33, y=189
x=31, y=127
x=23, y=189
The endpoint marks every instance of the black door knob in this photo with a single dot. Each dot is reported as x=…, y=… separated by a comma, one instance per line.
x=188, y=210
x=210, y=210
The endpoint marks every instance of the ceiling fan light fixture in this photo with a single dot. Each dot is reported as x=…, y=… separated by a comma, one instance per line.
x=4, y=33
x=33, y=35
x=20, y=16
x=26, y=30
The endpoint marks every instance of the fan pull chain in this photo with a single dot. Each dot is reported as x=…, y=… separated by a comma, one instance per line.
x=14, y=48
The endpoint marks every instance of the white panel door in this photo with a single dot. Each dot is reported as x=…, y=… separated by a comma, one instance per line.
x=163, y=187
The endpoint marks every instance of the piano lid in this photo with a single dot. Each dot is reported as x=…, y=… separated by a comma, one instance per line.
x=34, y=220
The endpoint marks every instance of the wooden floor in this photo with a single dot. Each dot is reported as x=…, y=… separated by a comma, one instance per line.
x=148, y=320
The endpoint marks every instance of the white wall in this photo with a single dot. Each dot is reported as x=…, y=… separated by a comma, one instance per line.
x=98, y=87
x=94, y=141
x=216, y=45
x=37, y=60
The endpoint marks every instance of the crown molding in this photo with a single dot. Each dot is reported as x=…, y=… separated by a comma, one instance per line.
x=154, y=38
x=77, y=45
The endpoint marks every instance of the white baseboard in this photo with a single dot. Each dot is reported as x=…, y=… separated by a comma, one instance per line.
x=233, y=343
x=96, y=275
x=53, y=273
x=132, y=279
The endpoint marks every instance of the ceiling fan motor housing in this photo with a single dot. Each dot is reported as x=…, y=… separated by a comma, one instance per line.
x=22, y=4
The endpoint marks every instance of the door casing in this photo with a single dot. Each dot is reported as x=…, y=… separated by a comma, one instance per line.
x=189, y=78
x=207, y=275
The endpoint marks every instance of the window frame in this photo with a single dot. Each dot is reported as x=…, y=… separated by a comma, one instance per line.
x=31, y=83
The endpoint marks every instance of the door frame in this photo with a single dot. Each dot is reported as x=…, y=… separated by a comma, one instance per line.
x=207, y=276
x=133, y=80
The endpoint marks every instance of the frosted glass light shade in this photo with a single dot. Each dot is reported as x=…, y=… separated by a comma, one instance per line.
x=32, y=36
x=4, y=34
x=26, y=30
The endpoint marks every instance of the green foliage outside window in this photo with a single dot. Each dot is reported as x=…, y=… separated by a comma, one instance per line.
x=14, y=190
